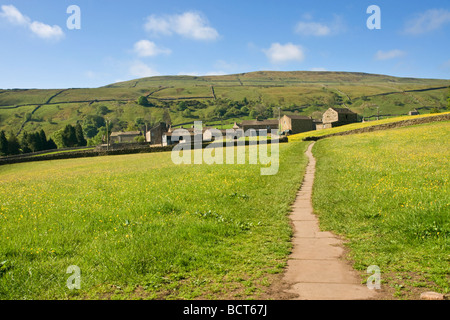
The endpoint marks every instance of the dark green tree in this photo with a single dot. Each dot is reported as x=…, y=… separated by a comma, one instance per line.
x=81, y=141
x=182, y=105
x=220, y=110
x=35, y=142
x=99, y=138
x=143, y=101
x=3, y=144
x=90, y=130
x=166, y=117
x=140, y=123
x=13, y=144
x=51, y=144
x=44, y=140
x=69, y=137
x=24, y=144
x=102, y=110
x=57, y=138
x=91, y=124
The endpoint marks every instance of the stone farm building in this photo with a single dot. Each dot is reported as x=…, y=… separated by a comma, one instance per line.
x=121, y=137
x=292, y=124
x=206, y=134
x=335, y=117
x=155, y=135
x=259, y=125
x=192, y=133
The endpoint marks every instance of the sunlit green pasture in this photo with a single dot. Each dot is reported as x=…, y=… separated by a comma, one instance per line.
x=358, y=125
x=139, y=226
x=388, y=194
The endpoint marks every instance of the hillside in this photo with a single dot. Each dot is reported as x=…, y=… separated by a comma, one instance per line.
x=220, y=99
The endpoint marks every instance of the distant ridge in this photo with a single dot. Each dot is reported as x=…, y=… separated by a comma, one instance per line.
x=281, y=76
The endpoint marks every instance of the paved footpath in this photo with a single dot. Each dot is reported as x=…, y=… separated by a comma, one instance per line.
x=316, y=269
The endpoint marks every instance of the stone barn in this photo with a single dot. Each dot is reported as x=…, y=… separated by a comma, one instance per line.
x=155, y=134
x=128, y=136
x=260, y=125
x=335, y=117
x=293, y=124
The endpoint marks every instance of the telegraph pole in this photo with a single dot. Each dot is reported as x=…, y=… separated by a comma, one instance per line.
x=107, y=135
x=279, y=120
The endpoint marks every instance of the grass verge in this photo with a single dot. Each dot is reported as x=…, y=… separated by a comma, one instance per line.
x=387, y=193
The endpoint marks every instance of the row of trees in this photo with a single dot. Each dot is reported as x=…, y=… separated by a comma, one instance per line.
x=70, y=136
x=29, y=142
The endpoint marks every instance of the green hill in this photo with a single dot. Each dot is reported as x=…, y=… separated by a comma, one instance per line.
x=220, y=99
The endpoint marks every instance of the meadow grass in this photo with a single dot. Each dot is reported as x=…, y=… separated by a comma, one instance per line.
x=27, y=96
x=387, y=193
x=358, y=125
x=139, y=226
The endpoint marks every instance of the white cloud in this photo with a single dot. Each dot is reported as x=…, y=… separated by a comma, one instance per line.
x=278, y=53
x=427, y=21
x=312, y=29
x=319, y=29
x=13, y=15
x=145, y=48
x=386, y=55
x=158, y=25
x=318, y=69
x=42, y=30
x=190, y=73
x=215, y=73
x=45, y=31
x=190, y=24
x=141, y=70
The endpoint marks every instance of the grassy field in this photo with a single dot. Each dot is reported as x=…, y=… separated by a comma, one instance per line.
x=353, y=126
x=139, y=226
x=387, y=193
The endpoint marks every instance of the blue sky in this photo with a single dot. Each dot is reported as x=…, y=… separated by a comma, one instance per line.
x=123, y=40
